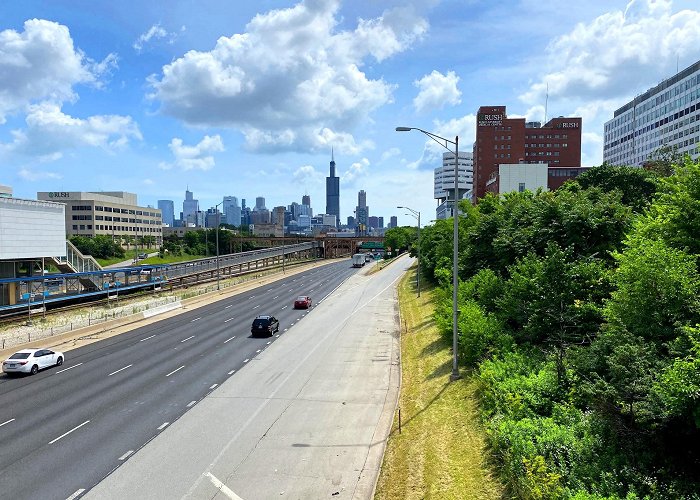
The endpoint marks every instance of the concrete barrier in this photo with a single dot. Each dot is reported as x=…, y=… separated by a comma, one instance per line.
x=162, y=309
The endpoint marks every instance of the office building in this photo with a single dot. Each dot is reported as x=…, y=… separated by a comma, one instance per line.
x=260, y=203
x=665, y=115
x=189, y=208
x=351, y=222
x=232, y=212
x=373, y=222
x=167, y=209
x=306, y=200
x=444, y=181
x=213, y=218
x=502, y=140
x=361, y=210
x=115, y=214
x=393, y=221
x=333, y=191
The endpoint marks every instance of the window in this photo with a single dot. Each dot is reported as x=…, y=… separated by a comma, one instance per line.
x=521, y=187
x=75, y=227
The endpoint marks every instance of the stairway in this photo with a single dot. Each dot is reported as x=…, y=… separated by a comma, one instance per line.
x=76, y=262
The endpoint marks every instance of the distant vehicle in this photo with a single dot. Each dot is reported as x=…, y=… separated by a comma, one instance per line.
x=358, y=260
x=143, y=256
x=368, y=257
x=302, y=302
x=32, y=360
x=265, y=325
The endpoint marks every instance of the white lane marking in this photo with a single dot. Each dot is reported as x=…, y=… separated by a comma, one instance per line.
x=188, y=338
x=228, y=306
x=196, y=319
x=276, y=296
x=214, y=386
x=222, y=487
x=76, y=494
x=246, y=360
x=120, y=369
x=229, y=340
x=11, y=420
x=65, y=434
x=311, y=290
x=258, y=350
x=125, y=455
x=147, y=338
x=256, y=306
x=232, y=372
x=269, y=343
x=285, y=307
x=163, y=426
x=291, y=289
x=191, y=404
x=230, y=319
x=69, y=368
x=251, y=297
x=175, y=371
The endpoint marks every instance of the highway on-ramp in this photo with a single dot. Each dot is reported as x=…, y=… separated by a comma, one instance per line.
x=186, y=406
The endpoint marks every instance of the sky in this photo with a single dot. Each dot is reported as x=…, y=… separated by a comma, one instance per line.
x=249, y=99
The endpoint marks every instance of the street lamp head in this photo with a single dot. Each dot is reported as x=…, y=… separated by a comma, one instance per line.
x=403, y=129
x=400, y=207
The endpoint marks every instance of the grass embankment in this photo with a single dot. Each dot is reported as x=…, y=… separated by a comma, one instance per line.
x=441, y=449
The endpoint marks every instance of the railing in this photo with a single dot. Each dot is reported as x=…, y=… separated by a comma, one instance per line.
x=77, y=261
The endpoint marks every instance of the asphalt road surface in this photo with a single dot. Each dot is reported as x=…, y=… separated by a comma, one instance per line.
x=112, y=402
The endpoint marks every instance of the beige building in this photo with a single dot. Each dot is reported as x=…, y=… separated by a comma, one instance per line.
x=115, y=214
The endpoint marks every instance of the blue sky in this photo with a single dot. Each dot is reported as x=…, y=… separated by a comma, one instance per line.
x=247, y=98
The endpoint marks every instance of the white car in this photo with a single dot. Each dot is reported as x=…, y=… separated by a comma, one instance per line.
x=32, y=360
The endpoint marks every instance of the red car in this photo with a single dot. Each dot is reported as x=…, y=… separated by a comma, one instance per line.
x=302, y=302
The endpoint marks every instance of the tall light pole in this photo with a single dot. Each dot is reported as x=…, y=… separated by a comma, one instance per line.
x=416, y=214
x=455, y=215
x=218, y=223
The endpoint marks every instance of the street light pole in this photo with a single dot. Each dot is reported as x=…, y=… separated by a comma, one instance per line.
x=218, y=223
x=455, y=254
x=416, y=214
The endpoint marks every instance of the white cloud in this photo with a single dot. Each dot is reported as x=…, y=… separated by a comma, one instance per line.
x=617, y=52
x=33, y=175
x=463, y=127
x=355, y=171
x=50, y=132
x=155, y=32
x=198, y=157
x=307, y=174
x=291, y=81
x=436, y=91
x=42, y=64
x=390, y=153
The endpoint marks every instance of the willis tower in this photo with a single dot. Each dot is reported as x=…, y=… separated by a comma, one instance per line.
x=333, y=193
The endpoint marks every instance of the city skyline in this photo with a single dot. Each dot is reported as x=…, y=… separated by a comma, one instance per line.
x=148, y=103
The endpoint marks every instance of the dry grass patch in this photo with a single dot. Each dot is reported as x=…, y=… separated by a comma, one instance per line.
x=441, y=449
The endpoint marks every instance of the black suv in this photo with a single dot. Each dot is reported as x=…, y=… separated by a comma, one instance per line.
x=265, y=325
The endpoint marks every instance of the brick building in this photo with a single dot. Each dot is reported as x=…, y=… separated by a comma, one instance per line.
x=502, y=140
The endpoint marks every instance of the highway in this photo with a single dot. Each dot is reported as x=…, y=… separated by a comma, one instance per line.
x=65, y=429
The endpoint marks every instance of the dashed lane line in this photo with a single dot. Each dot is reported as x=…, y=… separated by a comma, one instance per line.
x=174, y=371
x=66, y=433
x=69, y=368
x=120, y=369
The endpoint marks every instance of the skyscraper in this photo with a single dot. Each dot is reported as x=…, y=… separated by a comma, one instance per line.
x=333, y=192
x=232, y=211
x=362, y=210
x=306, y=200
x=167, y=208
x=189, y=208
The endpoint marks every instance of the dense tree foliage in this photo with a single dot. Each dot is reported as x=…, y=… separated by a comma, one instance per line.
x=100, y=247
x=579, y=311
x=203, y=242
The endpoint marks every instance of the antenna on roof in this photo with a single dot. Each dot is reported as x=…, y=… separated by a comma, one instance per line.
x=546, y=98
